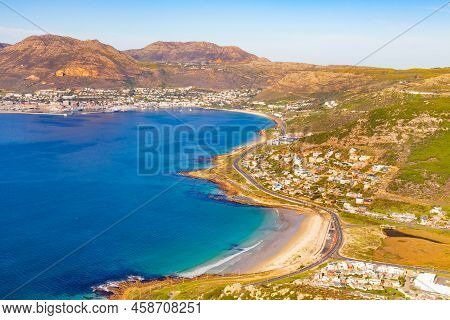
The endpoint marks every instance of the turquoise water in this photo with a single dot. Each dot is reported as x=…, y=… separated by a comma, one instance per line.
x=65, y=180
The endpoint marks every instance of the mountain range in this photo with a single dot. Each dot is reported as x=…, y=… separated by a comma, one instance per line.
x=57, y=61
x=51, y=61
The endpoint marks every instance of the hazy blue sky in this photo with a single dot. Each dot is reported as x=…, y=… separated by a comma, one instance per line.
x=322, y=32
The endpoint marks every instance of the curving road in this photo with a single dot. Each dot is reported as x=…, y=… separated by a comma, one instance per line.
x=337, y=239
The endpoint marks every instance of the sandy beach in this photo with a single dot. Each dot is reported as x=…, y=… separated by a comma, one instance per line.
x=295, y=247
x=296, y=240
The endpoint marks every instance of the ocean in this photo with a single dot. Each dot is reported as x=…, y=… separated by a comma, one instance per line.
x=79, y=206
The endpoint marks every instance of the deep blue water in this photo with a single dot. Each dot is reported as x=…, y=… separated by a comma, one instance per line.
x=64, y=180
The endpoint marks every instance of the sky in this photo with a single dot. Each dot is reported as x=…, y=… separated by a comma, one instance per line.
x=319, y=32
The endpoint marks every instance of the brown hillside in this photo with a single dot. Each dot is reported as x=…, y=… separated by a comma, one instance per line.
x=63, y=61
x=191, y=52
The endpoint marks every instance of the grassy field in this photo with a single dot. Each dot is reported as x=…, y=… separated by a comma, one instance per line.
x=409, y=107
x=362, y=236
x=362, y=241
x=200, y=288
x=417, y=252
x=392, y=74
x=429, y=158
x=322, y=121
x=357, y=219
x=388, y=206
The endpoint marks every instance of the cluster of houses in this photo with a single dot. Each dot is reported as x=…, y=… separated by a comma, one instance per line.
x=370, y=277
x=284, y=110
x=112, y=100
x=330, y=104
x=436, y=217
x=283, y=107
x=192, y=97
x=346, y=179
x=360, y=275
x=283, y=139
x=331, y=176
x=204, y=65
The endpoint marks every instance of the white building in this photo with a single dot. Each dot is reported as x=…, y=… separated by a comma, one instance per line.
x=407, y=217
x=277, y=186
x=426, y=282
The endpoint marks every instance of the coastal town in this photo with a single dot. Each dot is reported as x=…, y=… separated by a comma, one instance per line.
x=115, y=100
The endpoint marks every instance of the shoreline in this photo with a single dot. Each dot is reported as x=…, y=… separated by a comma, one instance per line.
x=257, y=113
x=254, y=254
x=281, y=250
x=252, y=112
x=35, y=113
